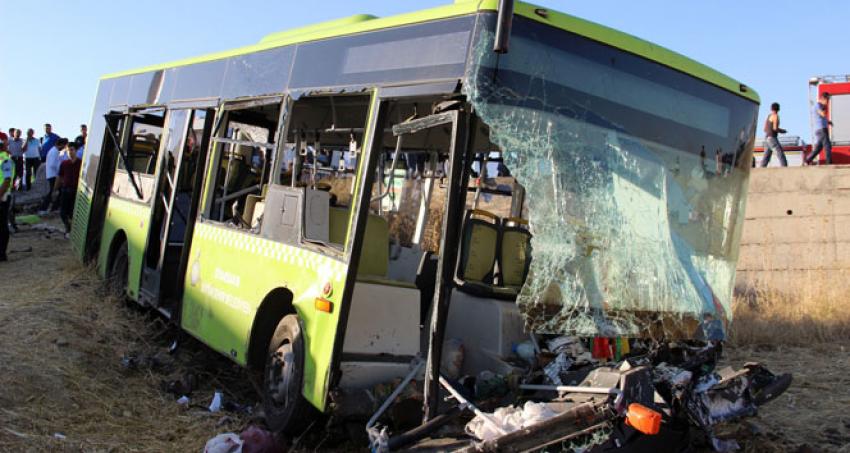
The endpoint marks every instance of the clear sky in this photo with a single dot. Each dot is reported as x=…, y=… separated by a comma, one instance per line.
x=53, y=52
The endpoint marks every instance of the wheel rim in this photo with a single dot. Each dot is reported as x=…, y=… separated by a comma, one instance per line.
x=280, y=375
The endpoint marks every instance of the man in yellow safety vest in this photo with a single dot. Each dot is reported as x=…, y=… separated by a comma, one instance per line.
x=7, y=175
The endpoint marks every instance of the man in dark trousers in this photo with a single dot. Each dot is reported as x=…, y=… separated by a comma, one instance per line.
x=822, y=123
x=771, y=137
x=66, y=182
x=7, y=175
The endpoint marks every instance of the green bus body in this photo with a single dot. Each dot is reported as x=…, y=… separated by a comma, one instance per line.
x=230, y=274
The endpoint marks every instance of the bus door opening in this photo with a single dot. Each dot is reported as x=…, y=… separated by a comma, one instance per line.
x=175, y=203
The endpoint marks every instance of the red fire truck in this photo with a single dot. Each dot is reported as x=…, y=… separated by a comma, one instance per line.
x=839, y=114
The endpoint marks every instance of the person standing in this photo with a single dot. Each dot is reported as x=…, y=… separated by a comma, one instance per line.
x=66, y=183
x=81, y=140
x=771, y=137
x=48, y=141
x=7, y=176
x=53, y=159
x=822, y=123
x=16, y=150
x=32, y=155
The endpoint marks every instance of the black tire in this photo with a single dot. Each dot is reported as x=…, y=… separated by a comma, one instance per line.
x=119, y=273
x=285, y=408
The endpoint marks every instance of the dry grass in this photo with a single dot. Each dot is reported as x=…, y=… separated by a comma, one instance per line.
x=815, y=312
x=63, y=342
x=804, y=331
x=813, y=411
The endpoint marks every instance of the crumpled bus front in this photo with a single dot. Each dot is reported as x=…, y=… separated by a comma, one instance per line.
x=635, y=178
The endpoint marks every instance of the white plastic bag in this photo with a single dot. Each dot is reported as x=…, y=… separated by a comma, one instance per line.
x=224, y=443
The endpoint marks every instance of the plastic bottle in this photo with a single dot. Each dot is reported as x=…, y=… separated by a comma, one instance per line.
x=525, y=351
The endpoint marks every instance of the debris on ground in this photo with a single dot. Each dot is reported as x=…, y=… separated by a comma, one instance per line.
x=224, y=443
x=596, y=391
x=252, y=440
x=215, y=404
x=509, y=419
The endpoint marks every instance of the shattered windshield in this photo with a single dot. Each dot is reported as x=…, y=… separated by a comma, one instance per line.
x=635, y=177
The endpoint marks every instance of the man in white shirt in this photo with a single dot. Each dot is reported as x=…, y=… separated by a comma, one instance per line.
x=32, y=154
x=16, y=150
x=52, y=161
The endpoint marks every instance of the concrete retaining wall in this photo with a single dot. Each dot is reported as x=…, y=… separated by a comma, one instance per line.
x=797, y=228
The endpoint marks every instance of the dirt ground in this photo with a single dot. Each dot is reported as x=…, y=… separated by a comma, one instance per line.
x=82, y=372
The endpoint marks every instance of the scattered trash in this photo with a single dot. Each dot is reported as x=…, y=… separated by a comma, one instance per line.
x=61, y=342
x=553, y=370
x=215, y=405
x=526, y=351
x=509, y=419
x=173, y=348
x=224, y=443
x=183, y=401
x=157, y=362
x=257, y=440
x=59, y=436
x=572, y=392
x=489, y=385
x=252, y=440
x=183, y=386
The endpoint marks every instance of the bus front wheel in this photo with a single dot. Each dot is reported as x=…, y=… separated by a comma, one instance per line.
x=285, y=407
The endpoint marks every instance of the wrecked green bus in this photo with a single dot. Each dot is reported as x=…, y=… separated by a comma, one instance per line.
x=331, y=203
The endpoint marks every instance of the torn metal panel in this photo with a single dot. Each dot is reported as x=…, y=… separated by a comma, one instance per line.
x=635, y=177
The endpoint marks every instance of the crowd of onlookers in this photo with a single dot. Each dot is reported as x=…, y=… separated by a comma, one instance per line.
x=20, y=160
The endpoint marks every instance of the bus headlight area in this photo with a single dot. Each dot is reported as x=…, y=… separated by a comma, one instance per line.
x=379, y=201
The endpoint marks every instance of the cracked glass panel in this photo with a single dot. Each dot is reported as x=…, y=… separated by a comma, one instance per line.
x=635, y=177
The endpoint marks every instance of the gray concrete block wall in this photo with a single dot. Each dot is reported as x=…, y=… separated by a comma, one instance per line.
x=796, y=229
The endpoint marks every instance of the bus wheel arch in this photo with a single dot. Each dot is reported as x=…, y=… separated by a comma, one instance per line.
x=276, y=305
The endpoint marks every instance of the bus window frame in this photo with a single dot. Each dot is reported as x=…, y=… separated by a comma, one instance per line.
x=371, y=115
x=134, y=176
x=214, y=155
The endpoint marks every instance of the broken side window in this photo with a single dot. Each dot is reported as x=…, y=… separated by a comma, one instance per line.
x=242, y=160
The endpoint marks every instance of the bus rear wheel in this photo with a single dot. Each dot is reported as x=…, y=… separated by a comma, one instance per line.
x=119, y=273
x=285, y=408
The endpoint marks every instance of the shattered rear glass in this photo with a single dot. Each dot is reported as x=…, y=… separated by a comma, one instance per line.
x=635, y=178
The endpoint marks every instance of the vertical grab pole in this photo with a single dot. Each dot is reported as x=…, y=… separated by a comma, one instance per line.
x=503, y=26
x=459, y=152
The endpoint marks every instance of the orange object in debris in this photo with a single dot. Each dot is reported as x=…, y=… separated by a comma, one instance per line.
x=643, y=419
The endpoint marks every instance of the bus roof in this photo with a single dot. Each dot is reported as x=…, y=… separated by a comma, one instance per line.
x=363, y=23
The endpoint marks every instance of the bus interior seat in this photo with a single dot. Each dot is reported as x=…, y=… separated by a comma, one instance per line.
x=478, y=246
x=478, y=250
x=254, y=207
x=514, y=253
x=249, y=214
x=482, y=251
